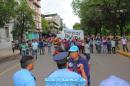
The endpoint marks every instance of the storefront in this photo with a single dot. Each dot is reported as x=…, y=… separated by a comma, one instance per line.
x=32, y=35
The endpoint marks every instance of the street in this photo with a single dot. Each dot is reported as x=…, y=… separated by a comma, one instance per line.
x=102, y=66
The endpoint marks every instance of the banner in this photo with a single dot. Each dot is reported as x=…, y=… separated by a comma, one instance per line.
x=70, y=34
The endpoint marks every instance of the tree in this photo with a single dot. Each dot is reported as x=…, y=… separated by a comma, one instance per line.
x=77, y=26
x=7, y=11
x=24, y=19
x=112, y=15
x=45, y=26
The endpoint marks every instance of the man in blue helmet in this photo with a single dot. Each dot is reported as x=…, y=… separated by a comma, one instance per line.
x=78, y=64
x=62, y=76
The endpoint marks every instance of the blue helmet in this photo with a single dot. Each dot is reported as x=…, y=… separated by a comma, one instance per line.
x=74, y=49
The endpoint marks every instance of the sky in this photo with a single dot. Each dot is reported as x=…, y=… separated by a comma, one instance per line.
x=61, y=7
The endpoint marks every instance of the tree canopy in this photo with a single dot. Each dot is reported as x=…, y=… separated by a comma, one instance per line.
x=77, y=26
x=97, y=15
x=7, y=11
x=24, y=20
x=45, y=26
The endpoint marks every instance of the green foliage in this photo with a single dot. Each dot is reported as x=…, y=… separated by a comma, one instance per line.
x=7, y=11
x=45, y=26
x=24, y=19
x=113, y=15
x=77, y=26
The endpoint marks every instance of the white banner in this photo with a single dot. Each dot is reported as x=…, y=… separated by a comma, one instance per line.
x=70, y=34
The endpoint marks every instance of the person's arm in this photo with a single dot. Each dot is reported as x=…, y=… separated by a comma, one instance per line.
x=83, y=74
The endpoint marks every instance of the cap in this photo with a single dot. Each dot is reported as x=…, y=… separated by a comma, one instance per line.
x=61, y=57
x=74, y=48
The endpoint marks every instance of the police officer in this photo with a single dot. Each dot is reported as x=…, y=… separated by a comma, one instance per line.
x=78, y=64
x=24, y=77
x=63, y=76
x=114, y=81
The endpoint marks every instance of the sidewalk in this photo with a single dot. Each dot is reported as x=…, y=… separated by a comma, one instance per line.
x=8, y=54
x=121, y=52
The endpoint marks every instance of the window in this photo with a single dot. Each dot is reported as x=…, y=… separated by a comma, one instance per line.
x=7, y=32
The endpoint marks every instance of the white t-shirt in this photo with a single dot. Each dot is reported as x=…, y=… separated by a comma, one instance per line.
x=87, y=48
x=113, y=43
x=124, y=41
x=35, y=45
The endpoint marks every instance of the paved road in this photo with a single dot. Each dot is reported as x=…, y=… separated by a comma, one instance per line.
x=102, y=67
x=105, y=65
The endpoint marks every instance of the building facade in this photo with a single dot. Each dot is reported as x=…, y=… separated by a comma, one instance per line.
x=36, y=6
x=55, y=22
x=5, y=33
x=6, y=36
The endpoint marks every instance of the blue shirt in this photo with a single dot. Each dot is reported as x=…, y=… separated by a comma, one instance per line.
x=81, y=60
x=64, y=77
x=24, y=77
x=40, y=44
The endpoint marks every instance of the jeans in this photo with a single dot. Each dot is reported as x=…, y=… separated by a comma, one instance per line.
x=49, y=50
x=24, y=52
x=34, y=53
x=104, y=49
x=125, y=48
x=113, y=50
x=41, y=50
x=98, y=49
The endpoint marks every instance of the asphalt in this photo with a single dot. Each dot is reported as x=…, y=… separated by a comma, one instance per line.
x=102, y=66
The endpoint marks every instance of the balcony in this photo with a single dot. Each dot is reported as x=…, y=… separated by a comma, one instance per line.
x=36, y=2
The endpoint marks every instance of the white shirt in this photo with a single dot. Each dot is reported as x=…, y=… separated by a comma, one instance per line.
x=124, y=41
x=87, y=48
x=35, y=45
x=24, y=77
x=113, y=43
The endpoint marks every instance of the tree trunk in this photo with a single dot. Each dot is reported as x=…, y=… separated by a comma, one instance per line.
x=21, y=36
x=121, y=30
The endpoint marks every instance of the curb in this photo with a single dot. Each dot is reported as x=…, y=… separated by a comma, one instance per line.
x=123, y=53
x=9, y=57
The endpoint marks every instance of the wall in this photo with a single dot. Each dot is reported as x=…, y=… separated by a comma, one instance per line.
x=4, y=41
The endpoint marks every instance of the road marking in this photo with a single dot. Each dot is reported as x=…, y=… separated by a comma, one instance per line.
x=11, y=68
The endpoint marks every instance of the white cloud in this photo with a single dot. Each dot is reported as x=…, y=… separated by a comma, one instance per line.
x=63, y=8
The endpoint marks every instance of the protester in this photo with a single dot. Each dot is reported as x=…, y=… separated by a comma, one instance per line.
x=13, y=46
x=104, y=45
x=78, y=64
x=49, y=47
x=117, y=43
x=24, y=49
x=24, y=77
x=87, y=50
x=30, y=47
x=113, y=44
x=109, y=46
x=91, y=44
x=41, y=45
x=35, y=48
x=124, y=44
x=98, y=45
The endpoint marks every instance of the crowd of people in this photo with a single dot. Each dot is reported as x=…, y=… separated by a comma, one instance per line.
x=79, y=51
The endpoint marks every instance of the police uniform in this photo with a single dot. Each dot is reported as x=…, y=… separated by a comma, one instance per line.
x=114, y=81
x=24, y=78
x=63, y=76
